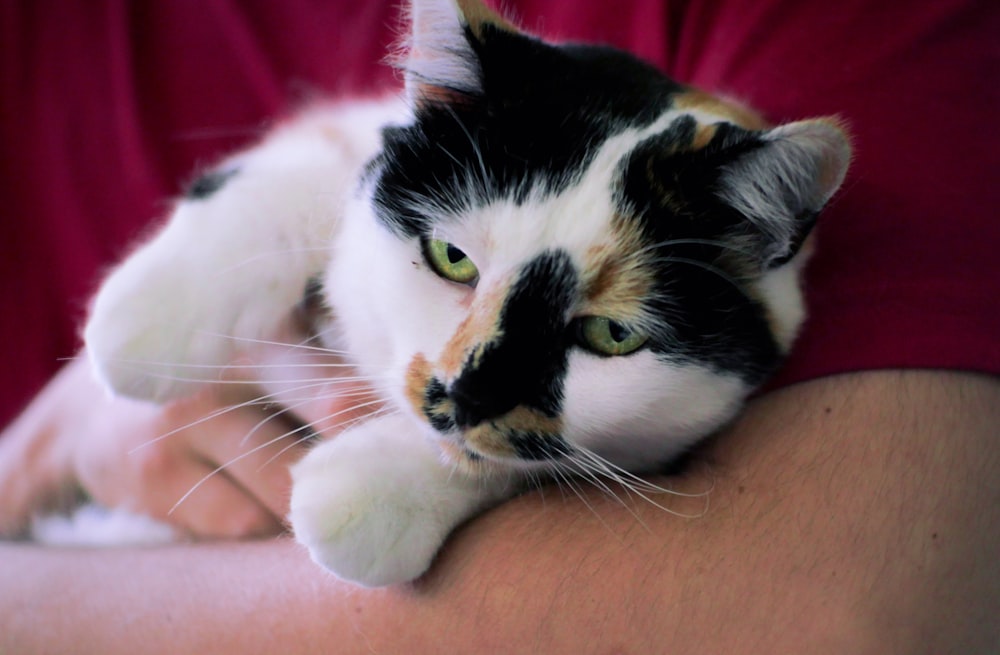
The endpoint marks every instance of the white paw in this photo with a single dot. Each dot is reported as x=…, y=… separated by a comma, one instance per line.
x=375, y=504
x=362, y=527
x=228, y=267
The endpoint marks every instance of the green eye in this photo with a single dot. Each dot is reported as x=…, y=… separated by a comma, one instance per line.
x=607, y=337
x=449, y=262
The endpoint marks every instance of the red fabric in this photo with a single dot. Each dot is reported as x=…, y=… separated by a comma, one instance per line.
x=107, y=108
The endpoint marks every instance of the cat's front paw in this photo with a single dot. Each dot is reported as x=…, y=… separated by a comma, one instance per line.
x=362, y=528
x=375, y=504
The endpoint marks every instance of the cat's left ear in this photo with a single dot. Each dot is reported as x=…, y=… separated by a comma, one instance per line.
x=781, y=184
x=442, y=64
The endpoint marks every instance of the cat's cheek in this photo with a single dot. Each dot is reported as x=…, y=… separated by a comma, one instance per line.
x=389, y=306
x=639, y=411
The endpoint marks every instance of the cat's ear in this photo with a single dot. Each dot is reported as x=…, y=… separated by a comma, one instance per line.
x=783, y=181
x=442, y=63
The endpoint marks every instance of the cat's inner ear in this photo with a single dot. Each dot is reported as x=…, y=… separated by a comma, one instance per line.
x=442, y=64
x=781, y=184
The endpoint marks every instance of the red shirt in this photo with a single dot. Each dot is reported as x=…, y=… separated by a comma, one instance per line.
x=106, y=109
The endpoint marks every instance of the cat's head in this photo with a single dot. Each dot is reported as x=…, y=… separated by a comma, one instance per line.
x=566, y=252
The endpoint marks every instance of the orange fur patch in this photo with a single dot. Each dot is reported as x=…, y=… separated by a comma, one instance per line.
x=729, y=110
x=526, y=419
x=478, y=14
x=702, y=135
x=491, y=438
x=480, y=328
x=615, y=279
x=418, y=374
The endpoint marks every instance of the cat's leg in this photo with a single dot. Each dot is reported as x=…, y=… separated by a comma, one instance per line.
x=234, y=257
x=375, y=504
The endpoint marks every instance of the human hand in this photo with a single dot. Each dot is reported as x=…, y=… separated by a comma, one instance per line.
x=223, y=453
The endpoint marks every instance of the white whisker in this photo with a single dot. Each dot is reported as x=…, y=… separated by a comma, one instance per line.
x=268, y=342
x=594, y=467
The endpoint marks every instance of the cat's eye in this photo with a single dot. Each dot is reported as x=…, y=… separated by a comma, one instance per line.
x=606, y=337
x=450, y=262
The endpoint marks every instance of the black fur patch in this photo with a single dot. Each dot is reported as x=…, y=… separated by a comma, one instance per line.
x=528, y=364
x=208, y=183
x=433, y=395
x=540, y=116
x=542, y=113
x=529, y=445
x=701, y=251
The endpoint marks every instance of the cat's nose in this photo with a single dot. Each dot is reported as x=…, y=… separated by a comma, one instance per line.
x=476, y=405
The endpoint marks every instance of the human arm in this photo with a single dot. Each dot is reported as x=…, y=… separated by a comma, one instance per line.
x=214, y=464
x=140, y=457
x=850, y=514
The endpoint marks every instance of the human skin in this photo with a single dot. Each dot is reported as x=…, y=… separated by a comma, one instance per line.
x=214, y=465
x=851, y=514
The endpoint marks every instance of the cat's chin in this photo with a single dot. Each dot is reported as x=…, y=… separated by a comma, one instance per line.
x=477, y=464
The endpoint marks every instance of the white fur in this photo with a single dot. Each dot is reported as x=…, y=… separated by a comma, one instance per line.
x=638, y=412
x=438, y=54
x=92, y=526
x=781, y=291
x=209, y=283
x=799, y=170
x=374, y=504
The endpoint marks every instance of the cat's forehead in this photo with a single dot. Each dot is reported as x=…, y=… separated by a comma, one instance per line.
x=587, y=210
x=588, y=219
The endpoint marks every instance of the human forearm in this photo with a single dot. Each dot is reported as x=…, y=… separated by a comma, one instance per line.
x=856, y=514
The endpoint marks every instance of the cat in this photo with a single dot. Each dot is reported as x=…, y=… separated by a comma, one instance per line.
x=549, y=258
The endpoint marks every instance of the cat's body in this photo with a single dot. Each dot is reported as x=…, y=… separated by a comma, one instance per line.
x=553, y=258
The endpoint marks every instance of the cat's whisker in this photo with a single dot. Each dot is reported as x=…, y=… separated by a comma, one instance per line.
x=566, y=478
x=311, y=433
x=476, y=149
x=221, y=468
x=266, y=444
x=724, y=245
x=263, y=400
x=707, y=267
x=635, y=481
x=229, y=367
x=269, y=342
x=594, y=478
x=594, y=465
x=289, y=405
x=270, y=254
x=260, y=400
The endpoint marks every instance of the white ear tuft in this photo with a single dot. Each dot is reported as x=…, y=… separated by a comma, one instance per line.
x=441, y=60
x=822, y=150
x=781, y=185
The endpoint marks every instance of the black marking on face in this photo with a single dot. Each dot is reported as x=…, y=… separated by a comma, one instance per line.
x=208, y=183
x=538, y=447
x=526, y=366
x=543, y=113
x=434, y=395
x=703, y=250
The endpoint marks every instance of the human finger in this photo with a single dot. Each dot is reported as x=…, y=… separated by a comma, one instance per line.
x=207, y=503
x=256, y=452
x=36, y=474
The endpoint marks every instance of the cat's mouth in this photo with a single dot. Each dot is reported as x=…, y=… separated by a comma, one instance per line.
x=519, y=435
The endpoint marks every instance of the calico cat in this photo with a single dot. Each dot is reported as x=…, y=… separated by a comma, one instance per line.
x=547, y=257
